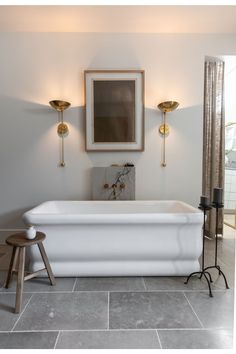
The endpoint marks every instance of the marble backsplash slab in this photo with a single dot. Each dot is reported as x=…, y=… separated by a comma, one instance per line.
x=113, y=183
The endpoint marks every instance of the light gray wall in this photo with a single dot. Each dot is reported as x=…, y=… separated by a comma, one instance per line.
x=38, y=67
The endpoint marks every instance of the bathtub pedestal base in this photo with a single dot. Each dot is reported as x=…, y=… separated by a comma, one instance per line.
x=120, y=268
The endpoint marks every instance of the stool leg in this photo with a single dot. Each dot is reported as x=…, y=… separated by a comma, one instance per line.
x=15, y=260
x=11, y=266
x=20, y=280
x=46, y=263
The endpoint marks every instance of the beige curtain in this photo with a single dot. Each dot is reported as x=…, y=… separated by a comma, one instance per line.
x=213, y=137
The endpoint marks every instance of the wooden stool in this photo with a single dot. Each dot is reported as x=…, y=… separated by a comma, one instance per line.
x=19, y=243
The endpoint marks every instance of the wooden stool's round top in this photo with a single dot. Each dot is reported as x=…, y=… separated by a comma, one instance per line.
x=19, y=239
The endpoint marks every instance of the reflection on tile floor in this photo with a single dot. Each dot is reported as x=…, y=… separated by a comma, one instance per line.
x=108, y=340
x=123, y=312
x=201, y=339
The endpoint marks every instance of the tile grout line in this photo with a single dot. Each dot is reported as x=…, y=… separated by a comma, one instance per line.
x=120, y=330
x=57, y=340
x=73, y=289
x=115, y=291
x=56, y=292
x=21, y=313
x=158, y=337
x=193, y=310
x=108, y=310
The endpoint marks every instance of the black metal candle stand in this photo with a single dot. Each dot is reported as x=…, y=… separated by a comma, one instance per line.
x=217, y=206
x=203, y=271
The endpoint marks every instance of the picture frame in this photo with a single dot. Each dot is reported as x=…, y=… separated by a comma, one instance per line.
x=114, y=105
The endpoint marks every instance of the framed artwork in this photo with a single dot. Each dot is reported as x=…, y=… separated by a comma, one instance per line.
x=114, y=110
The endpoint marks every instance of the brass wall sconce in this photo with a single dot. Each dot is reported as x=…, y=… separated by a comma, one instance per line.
x=165, y=107
x=62, y=128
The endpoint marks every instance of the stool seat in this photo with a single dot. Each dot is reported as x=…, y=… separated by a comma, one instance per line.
x=20, y=240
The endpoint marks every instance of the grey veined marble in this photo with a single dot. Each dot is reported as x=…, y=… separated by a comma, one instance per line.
x=113, y=183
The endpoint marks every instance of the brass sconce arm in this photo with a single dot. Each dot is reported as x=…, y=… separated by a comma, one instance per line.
x=62, y=129
x=165, y=107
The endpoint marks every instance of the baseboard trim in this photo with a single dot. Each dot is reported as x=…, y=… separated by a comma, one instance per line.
x=12, y=230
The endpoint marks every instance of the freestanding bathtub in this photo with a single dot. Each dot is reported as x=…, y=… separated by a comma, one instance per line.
x=118, y=238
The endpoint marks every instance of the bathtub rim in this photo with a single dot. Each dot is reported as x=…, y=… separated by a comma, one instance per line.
x=34, y=217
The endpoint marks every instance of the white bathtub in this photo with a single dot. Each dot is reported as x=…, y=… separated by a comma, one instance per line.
x=118, y=238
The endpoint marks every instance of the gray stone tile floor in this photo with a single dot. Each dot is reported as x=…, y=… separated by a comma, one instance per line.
x=200, y=339
x=28, y=340
x=123, y=312
x=108, y=340
x=151, y=310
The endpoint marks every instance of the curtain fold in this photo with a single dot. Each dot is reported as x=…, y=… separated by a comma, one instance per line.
x=213, y=138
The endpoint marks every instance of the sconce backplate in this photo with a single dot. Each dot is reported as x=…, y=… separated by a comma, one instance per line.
x=164, y=129
x=62, y=129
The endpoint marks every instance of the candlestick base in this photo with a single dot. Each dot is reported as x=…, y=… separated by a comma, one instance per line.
x=202, y=272
x=217, y=205
x=204, y=207
x=220, y=273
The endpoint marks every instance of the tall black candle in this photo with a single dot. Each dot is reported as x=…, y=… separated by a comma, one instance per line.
x=218, y=196
x=204, y=201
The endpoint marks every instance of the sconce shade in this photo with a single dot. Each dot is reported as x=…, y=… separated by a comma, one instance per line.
x=168, y=106
x=59, y=105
